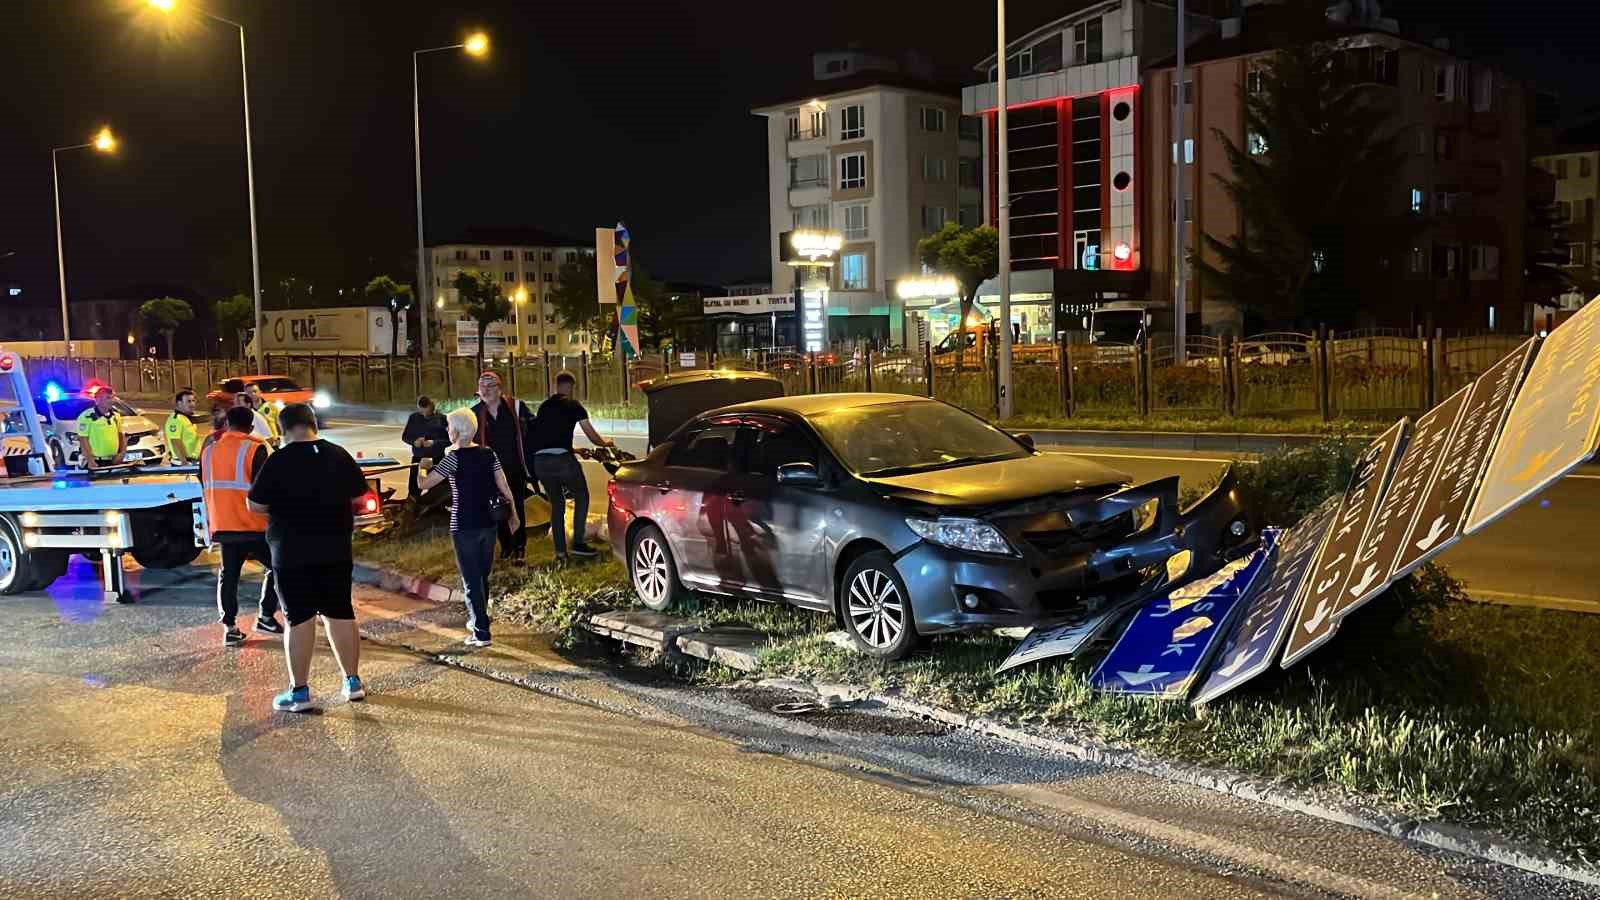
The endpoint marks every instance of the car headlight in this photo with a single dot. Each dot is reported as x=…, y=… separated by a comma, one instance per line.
x=1145, y=515
x=321, y=400
x=278, y=404
x=975, y=535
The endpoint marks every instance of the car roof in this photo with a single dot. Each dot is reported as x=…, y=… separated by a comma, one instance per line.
x=813, y=404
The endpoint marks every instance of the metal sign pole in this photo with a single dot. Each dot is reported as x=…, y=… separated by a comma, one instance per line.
x=1180, y=307
x=1003, y=371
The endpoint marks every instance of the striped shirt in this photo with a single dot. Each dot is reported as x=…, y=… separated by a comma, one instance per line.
x=471, y=472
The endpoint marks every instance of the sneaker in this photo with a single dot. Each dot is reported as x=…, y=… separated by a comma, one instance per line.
x=583, y=550
x=475, y=641
x=293, y=700
x=353, y=689
x=269, y=625
x=232, y=637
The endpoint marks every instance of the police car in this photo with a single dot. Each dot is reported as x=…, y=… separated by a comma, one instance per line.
x=59, y=409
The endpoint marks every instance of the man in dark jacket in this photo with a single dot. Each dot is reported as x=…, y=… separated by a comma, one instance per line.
x=502, y=424
x=425, y=435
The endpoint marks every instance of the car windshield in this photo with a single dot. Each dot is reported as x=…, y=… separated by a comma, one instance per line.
x=917, y=436
x=276, y=386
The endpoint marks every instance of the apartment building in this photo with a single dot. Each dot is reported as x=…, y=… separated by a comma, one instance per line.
x=1463, y=126
x=876, y=150
x=1574, y=164
x=527, y=262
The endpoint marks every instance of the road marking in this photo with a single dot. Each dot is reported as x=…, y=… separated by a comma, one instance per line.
x=1542, y=601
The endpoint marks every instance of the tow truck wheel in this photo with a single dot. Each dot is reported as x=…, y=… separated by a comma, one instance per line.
x=164, y=538
x=16, y=564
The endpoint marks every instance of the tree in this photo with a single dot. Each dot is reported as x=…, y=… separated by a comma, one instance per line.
x=386, y=292
x=969, y=255
x=165, y=314
x=660, y=311
x=234, y=315
x=1319, y=208
x=481, y=299
x=575, y=300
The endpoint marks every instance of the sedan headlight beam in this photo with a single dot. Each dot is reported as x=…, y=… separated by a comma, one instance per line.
x=957, y=533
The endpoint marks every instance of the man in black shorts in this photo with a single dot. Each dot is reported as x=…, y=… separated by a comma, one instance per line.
x=558, y=469
x=305, y=490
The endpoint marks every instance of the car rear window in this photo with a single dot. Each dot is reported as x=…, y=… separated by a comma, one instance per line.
x=276, y=386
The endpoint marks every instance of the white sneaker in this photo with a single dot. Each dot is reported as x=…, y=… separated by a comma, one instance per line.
x=474, y=641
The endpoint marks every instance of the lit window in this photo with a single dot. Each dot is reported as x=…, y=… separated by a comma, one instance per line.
x=1416, y=200
x=1254, y=81
x=1257, y=144
x=1319, y=261
x=852, y=171
x=852, y=122
x=853, y=272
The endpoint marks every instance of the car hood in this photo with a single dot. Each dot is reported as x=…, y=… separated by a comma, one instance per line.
x=1004, y=481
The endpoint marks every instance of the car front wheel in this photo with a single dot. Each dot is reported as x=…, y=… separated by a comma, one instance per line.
x=877, y=608
x=650, y=567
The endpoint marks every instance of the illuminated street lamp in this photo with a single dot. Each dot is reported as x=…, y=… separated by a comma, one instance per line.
x=103, y=142
x=476, y=44
x=168, y=6
x=517, y=300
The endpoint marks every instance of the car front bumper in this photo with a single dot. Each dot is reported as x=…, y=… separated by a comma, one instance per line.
x=1025, y=590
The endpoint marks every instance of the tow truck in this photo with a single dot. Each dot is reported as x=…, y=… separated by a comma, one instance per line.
x=48, y=512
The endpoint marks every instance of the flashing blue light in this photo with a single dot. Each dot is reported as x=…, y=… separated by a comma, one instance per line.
x=60, y=485
x=53, y=392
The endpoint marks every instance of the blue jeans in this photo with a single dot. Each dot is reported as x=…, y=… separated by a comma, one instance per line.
x=474, y=558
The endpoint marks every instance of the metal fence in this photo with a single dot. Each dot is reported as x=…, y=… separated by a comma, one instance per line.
x=1374, y=373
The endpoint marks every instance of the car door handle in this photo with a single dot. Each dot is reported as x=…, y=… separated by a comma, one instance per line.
x=736, y=497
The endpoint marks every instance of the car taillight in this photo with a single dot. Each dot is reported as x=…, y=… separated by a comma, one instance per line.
x=367, y=503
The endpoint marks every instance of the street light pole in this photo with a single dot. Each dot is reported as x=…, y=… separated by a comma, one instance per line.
x=1180, y=309
x=104, y=143
x=475, y=45
x=1004, y=205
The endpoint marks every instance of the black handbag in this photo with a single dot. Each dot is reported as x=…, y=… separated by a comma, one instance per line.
x=499, y=510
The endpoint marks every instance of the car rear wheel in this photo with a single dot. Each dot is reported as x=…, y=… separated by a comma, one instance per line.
x=16, y=564
x=650, y=566
x=877, y=608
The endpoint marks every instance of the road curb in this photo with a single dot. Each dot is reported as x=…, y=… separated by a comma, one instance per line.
x=1469, y=842
x=1203, y=441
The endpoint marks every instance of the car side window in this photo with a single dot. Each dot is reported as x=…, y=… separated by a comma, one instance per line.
x=709, y=448
x=767, y=448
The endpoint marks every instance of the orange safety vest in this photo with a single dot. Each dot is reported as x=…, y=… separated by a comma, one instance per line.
x=226, y=464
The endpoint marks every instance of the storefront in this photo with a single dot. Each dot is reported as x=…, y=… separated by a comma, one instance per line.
x=750, y=322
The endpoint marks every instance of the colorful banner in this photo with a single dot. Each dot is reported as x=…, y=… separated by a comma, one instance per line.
x=628, y=315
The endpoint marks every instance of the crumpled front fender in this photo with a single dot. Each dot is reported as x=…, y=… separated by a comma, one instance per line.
x=1206, y=529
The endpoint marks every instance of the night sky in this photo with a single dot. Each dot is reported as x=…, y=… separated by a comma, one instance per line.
x=581, y=114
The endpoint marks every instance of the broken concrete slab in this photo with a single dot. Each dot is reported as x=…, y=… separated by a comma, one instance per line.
x=733, y=646
x=656, y=631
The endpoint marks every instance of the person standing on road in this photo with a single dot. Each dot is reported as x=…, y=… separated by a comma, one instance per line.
x=266, y=410
x=100, y=438
x=259, y=427
x=557, y=467
x=501, y=422
x=183, y=442
x=427, y=437
x=306, y=491
x=219, y=425
x=476, y=477
x=228, y=465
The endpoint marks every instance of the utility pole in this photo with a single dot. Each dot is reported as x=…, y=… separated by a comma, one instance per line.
x=1003, y=364
x=1180, y=309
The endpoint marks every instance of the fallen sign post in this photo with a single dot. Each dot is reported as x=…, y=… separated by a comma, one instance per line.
x=1553, y=424
x=1169, y=641
x=1252, y=646
x=1441, y=509
x=1314, y=623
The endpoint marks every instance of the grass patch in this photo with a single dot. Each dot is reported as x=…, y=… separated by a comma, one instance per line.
x=1204, y=422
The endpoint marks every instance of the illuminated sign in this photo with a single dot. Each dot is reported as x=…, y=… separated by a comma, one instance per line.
x=1091, y=257
x=815, y=327
x=811, y=247
x=933, y=287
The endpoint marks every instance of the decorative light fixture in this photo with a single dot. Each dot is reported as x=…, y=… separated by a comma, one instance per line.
x=815, y=245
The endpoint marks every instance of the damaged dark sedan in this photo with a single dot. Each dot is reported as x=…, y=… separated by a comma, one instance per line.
x=901, y=516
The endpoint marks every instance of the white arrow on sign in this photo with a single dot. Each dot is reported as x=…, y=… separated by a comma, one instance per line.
x=1315, y=622
x=1235, y=667
x=1435, y=531
x=1143, y=676
x=1368, y=579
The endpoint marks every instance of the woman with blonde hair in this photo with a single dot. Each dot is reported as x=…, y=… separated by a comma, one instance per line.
x=476, y=479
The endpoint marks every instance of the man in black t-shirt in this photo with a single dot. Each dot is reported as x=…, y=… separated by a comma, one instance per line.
x=425, y=435
x=558, y=469
x=306, y=490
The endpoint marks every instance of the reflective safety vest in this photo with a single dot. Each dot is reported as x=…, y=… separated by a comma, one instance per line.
x=269, y=412
x=227, y=468
x=99, y=434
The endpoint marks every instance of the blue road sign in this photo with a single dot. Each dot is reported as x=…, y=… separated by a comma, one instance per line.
x=1252, y=645
x=1171, y=638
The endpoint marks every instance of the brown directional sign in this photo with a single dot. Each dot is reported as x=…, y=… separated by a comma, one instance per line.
x=1554, y=422
x=1439, y=515
x=1412, y=475
x=1314, y=624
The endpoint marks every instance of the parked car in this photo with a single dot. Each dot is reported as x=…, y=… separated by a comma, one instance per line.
x=902, y=516
x=59, y=409
x=275, y=389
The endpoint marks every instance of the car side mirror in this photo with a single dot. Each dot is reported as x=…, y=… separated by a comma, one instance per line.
x=799, y=474
x=1025, y=439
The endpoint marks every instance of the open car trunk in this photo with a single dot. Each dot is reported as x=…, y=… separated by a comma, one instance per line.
x=676, y=398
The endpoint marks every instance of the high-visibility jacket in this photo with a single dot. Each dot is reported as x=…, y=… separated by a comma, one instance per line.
x=227, y=466
x=269, y=411
x=99, y=435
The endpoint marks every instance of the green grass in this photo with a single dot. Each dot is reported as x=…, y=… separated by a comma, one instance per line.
x=1204, y=422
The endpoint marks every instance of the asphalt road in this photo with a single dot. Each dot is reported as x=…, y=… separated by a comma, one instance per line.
x=1537, y=555
x=139, y=758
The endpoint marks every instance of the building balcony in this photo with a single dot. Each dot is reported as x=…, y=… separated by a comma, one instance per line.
x=1072, y=81
x=806, y=141
x=810, y=194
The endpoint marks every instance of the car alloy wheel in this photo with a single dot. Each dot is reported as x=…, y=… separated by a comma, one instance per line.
x=876, y=608
x=651, y=569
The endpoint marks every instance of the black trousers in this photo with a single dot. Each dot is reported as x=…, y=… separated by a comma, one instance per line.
x=514, y=544
x=234, y=553
x=559, y=475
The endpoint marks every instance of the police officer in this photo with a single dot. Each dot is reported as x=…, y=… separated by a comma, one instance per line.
x=183, y=442
x=100, y=438
x=266, y=410
x=262, y=428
